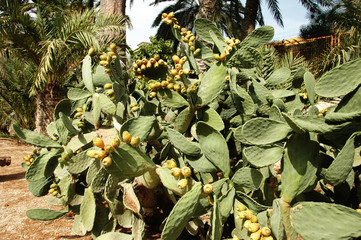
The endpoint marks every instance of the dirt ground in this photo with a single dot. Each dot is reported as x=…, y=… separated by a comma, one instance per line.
x=15, y=199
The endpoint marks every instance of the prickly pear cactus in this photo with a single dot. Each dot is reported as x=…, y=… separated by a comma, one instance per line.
x=227, y=143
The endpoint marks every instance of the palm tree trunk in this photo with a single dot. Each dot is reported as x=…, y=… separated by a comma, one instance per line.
x=116, y=7
x=206, y=9
x=250, y=17
x=46, y=101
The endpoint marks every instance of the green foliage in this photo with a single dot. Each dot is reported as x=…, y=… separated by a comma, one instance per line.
x=164, y=48
x=245, y=129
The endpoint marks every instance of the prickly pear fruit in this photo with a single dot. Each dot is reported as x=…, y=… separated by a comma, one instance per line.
x=182, y=183
x=254, y=219
x=208, y=188
x=254, y=227
x=176, y=172
x=171, y=164
x=186, y=171
x=98, y=142
x=107, y=162
x=266, y=231
x=255, y=235
x=115, y=142
x=247, y=224
x=108, y=86
x=109, y=148
x=241, y=207
x=126, y=137
x=135, y=140
x=242, y=215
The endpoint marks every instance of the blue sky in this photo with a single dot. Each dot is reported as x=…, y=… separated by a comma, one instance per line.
x=142, y=16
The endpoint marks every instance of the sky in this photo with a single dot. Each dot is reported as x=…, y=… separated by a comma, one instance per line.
x=142, y=16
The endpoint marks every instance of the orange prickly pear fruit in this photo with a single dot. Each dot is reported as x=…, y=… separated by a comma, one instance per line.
x=171, y=164
x=176, y=172
x=98, y=142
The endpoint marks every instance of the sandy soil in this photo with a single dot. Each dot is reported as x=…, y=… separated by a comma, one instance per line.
x=15, y=199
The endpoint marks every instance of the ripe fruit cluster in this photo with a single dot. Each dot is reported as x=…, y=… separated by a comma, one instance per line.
x=252, y=225
x=187, y=36
x=129, y=139
x=183, y=174
x=232, y=42
x=134, y=107
x=104, y=151
x=109, y=91
x=140, y=67
x=108, y=57
x=29, y=159
x=54, y=189
x=79, y=114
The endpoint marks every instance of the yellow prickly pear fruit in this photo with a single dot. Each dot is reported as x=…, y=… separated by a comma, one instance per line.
x=254, y=219
x=126, y=137
x=254, y=227
x=28, y=163
x=175, y=58
x=174, y=72
x=170, y=85
x=98, y=142
x=208, y=188
x=246, y=224
x=171, y=164
x=176, y=172
x=249, y=214
x=107, y=162
x=186, y=171
x=109, y=148
x=358, y=210
x=115, y=142
x=152, y=94
x=103, y=57
x=266, y=231
x=235, y=237
x=182, y=183
x=65, y=156
x=100, y=154
x=91, y=153
x=135, y=140
x=134, y=109
x=108, y=86
x=55, y=193
x=113, y=47
x=51, y=190
x=255, y=235
x=242, y=215
x=268, y=238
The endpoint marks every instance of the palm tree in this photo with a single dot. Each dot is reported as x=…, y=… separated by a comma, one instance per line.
x=55, y=41
x=227, y=15
x=253, y=12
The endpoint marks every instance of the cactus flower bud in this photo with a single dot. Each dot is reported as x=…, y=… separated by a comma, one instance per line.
x=98, y=142
x=182, y=183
